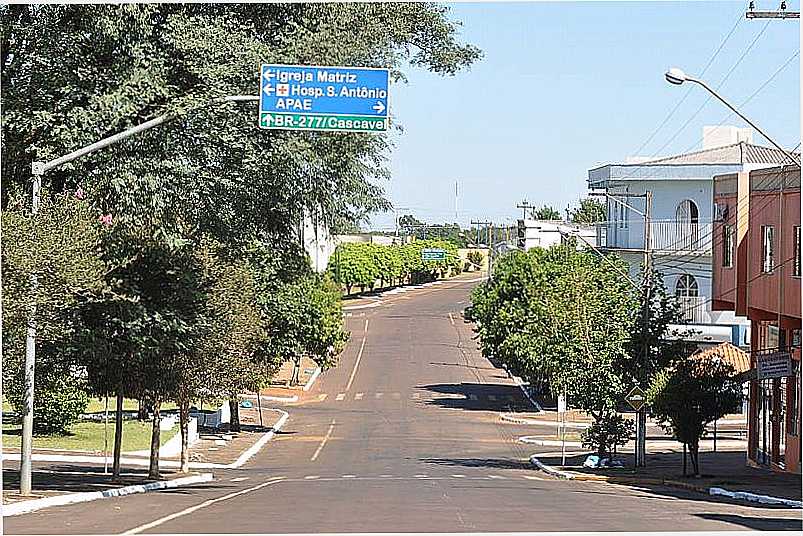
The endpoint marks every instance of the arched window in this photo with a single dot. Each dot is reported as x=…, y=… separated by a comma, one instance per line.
x=686, y=287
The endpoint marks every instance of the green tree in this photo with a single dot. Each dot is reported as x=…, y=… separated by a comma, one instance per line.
x=561, y=317
x=589, y=212
x=60, y=245
x=690, y=394
x=547, y=213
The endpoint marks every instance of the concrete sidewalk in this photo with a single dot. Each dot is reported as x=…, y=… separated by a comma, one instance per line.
x=726, y=469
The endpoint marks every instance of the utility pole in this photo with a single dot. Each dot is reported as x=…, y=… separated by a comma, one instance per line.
x=641, y=436
x=525, y=206
x=780, y=14
x=455, y=202
x=641, y=414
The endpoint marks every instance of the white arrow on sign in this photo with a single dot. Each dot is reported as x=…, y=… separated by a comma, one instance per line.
x=268, y=89
x=379, y=107
x=268, y=74
x=267, y=118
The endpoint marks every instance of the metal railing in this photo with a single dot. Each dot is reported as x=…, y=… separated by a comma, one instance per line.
x=694, y=309
x=668, y=235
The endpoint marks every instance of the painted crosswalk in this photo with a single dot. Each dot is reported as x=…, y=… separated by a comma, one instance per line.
x=424, y=397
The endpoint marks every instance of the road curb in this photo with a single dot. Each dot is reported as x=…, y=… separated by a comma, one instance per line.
x=312, y=379
x=256, y=447
x=532, y=440
x=742, y=495
x=24, y=507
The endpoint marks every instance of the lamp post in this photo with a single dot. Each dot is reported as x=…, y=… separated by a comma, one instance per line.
x=677, y=77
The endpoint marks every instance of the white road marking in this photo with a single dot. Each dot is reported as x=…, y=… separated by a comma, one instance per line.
x=458, y=476
x=357, y=363
x=240, y=478
x=322, y=397
x=311, y=477
x=323, y=442
x=421, y=476
x=366, y=325
x=529, y=477
x=496, y=476
x=358, y=396
x=191, y=509
x=378, y=395
x=385, y=476
x=340, y=396
x=451, y=319
x=349, y=476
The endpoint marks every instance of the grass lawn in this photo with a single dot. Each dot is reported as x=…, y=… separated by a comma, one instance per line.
x=97, y=405
x=89, y=436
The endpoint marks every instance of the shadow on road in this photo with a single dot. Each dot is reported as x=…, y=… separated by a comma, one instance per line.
x=493, y=463
x=756, y=523
x=478, y=397
x=74, y=478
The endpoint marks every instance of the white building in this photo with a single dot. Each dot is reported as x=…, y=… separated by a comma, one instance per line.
x=546, y=233
x=681, y=217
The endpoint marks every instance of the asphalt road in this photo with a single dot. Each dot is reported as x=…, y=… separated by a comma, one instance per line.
x=403, y=436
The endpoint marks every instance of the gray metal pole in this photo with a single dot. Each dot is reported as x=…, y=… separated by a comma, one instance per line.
x=26, y=448
x=740, y=114
x=642, y=413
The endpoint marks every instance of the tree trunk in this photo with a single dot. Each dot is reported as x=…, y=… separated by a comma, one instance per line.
x=694, y=455
x=118, y=435
x=184, y=420
x=234, y=410
x=153, y=467
x=142, y=409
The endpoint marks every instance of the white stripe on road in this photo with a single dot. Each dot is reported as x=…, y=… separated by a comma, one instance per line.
x=311, y=477
x=322, y=397
x=357, y=363
x=240, y=478
x=191, y=509
x=323, y=442
x=529, y=477
x=340, y=396
x=358, y=396
x=458, y=476
x=349, y=476
x=378, y=395
x=451, y=318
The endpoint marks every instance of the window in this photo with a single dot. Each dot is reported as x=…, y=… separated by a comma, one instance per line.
x=727, y=246
x=797, y=251
x=767, y=248
x=686, y=287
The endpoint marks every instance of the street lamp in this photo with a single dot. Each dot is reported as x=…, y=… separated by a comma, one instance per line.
x=677, y=77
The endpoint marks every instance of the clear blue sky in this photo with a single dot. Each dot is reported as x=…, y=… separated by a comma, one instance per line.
x=564, y=87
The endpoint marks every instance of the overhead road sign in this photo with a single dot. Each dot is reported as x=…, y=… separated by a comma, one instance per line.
x=433, y=254
x=303, y=97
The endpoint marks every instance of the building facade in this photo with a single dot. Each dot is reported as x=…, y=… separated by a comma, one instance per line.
x=681, y=234
x=756, y=268
x=547, y=233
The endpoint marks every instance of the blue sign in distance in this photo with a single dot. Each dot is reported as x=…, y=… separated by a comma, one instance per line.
x=300, y=97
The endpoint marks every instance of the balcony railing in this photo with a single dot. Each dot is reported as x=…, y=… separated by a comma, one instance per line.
x=694, y=309
x=666, y=235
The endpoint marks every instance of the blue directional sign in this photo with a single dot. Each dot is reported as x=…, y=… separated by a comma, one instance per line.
x=300, y=97
x=433, y=254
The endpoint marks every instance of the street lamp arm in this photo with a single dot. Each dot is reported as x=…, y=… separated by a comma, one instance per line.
x=111, y=140
x=740, y=114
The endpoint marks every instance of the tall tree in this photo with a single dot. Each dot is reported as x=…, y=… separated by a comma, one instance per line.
x=547, y=213
x=589, y=212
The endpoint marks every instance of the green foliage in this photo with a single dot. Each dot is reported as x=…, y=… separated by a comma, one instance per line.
x=608, y=433
x=690, y=394
x=559, y=316
x=476, y=259
x=354, y=264
x=547, y=213
x=589, y=212
x=60, y=398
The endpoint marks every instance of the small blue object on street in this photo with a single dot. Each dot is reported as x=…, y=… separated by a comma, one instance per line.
x=303, y=97
x=246, y=404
